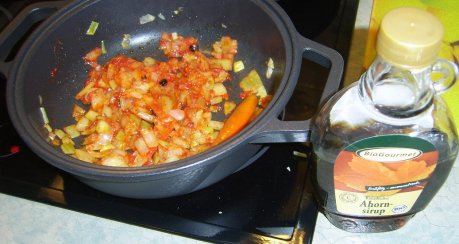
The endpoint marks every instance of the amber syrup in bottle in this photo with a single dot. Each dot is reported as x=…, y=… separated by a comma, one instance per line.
x=385, y=145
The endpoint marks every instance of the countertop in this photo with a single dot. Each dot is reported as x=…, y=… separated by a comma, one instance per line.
x=24, y=221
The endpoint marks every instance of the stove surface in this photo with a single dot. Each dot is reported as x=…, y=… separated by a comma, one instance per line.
x=270, y=200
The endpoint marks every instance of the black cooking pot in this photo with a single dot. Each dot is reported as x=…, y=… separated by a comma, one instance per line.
x=261, y=28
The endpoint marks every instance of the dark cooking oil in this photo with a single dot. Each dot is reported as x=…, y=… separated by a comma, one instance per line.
x=385, y=145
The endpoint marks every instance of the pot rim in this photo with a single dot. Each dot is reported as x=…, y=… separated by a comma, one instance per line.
x=210, y=156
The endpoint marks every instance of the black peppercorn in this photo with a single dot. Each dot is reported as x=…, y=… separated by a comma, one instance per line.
x=194, y=48
x=163, y=82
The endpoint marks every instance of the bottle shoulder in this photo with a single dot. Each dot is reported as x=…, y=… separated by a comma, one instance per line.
x=347, y=107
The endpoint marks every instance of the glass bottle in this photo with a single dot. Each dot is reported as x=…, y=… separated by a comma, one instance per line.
x=385, y=145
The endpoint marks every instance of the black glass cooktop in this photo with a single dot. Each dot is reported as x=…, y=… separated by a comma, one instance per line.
x=270, y=200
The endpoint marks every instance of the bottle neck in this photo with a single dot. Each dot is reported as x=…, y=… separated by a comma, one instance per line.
x=394, y=91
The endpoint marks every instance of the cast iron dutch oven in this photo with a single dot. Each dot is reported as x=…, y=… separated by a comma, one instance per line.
x=262, y=30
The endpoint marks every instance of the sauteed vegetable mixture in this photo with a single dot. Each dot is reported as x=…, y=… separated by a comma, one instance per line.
x=138, y=113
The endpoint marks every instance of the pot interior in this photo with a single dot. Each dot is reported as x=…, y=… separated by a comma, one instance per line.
x=51, y=65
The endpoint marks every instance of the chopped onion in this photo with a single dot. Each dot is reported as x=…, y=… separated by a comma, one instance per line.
x=85, y=90
x=149, y=137
x=107, y=111
x=217, y=125
x=270, y=69
x=92, y=28
x=60, y=133
x=83, y=155
x=71, y=131
x=141, y=146
x=44, y=115
x=219, y=89
x=82, y=124
x=177, y=114
x=68, y=148
x=270, y=63
x=228, y=107
x=67, y=140
x=126, y=41
x=104, y=139
x=146, y=116
x=146, y=19
x=161, y=16
x=103, y=127
x=174, y=35
x=78, y=112
x=114, y=160
x=91, y=115
x=48, y=127
x=216, y=100
x=180, y=142
x=238, y=66
x=149, y=61
x=253, y=83
x=102, y=47
x=177, y=11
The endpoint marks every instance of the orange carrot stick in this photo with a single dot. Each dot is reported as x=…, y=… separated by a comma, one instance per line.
x=239, y=118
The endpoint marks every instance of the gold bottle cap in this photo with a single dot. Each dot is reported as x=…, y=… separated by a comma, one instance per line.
x=409, y=37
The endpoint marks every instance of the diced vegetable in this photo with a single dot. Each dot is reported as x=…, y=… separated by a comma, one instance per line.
x=91, y=115
x=141, y=146
x=216, y=125
x=174, y=36
x=215, y=100
x=270, y=69
x=253, y=83
x=84, y=156
x=78, y=112
x=219, y=89
x=115, y=160
x=149, y=61
x=177, y=114
x=102, y=47
x=103, y=127
x=238, y=66
x=178, y=11
x=150, y=138
x=228, y=107
x=71, y=131
x=161, y=16
x=68, y=148
x=44, y=115
x=48, y=127
x=225, y=64
x=60, y=133
x=126, y=42
x=92, y=28
x=82, y=124
x=146, y=19
x=151, y=111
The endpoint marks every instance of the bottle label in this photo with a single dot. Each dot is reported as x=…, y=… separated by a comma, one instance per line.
x=382, y=175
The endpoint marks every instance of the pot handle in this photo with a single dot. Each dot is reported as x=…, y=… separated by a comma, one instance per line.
x=277, y=131
x=20, y=25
